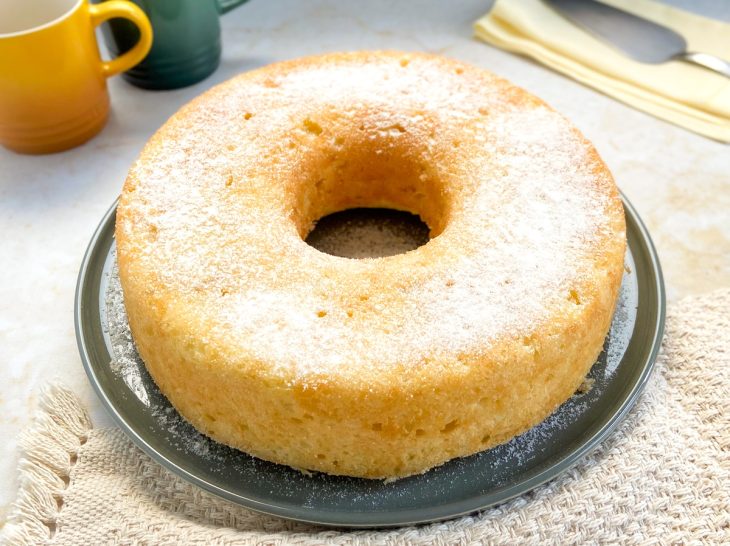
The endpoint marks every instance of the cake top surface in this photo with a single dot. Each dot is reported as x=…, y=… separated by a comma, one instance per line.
x=525, y=217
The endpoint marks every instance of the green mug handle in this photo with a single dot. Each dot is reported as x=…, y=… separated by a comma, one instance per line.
x=224, y=6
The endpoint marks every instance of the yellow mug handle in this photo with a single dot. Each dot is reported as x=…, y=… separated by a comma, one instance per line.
x=126, y=10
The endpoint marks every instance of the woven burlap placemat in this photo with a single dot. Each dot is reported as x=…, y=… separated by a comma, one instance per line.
x=663, y=477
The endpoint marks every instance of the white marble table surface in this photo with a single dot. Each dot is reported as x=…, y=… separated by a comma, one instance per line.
x=50, y=205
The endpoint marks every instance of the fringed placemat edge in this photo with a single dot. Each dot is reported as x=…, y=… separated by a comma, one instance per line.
x=48, y=454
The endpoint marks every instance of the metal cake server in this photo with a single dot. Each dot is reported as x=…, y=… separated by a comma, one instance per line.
x=639, y=38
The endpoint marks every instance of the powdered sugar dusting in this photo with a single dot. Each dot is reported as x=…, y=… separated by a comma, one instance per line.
x=127, y=364
x=368, y=233
x=495, y=467
x=624, y=318
x=209, y=217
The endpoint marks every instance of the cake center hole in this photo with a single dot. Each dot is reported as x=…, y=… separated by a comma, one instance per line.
x=368, y=233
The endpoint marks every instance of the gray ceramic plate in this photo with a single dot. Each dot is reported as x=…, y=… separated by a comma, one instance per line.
x=458, y=487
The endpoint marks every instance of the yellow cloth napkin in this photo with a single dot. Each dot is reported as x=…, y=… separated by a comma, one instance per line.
x=688, y=96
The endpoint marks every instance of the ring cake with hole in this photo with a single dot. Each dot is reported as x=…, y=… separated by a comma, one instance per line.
x=381, y=367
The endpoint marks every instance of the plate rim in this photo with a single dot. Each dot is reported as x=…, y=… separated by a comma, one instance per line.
x=398, y=518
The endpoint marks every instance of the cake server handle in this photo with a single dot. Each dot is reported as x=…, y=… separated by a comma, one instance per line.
x=705, y=60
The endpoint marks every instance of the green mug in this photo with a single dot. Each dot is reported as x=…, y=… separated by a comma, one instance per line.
x=186, y=47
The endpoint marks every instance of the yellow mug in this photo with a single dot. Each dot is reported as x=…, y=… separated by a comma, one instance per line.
x=53, y=93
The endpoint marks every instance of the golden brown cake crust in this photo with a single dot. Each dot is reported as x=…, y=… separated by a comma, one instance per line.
x=374, y=367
